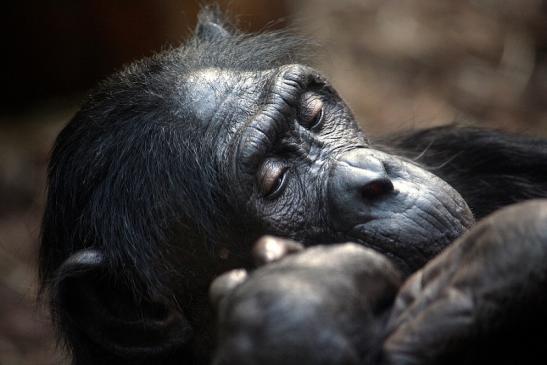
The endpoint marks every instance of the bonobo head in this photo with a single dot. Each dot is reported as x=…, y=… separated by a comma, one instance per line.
x=177, y=164
x=290, y=160
x=327, y=305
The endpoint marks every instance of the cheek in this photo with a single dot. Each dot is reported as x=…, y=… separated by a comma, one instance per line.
x=419, y=182
x=419, y=190
x=297, y=212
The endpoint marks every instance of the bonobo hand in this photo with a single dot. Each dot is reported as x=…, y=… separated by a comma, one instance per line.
x=322, y=305
x=482, y=300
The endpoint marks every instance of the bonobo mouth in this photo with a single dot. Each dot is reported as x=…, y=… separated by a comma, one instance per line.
x=412, y=238
x=415, y=217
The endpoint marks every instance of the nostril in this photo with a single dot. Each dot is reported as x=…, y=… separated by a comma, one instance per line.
x=377, y=188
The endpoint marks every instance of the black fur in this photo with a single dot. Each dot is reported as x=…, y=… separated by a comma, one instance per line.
x=135, y=122
x=126, y=170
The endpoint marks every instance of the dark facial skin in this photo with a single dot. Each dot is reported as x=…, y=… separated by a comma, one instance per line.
x=300, y=167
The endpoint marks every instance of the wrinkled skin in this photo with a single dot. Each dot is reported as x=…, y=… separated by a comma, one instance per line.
x=360, y=194
x=476, y=303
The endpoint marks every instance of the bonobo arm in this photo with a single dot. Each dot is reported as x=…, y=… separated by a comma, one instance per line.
x=489, y=169
x=482, y=300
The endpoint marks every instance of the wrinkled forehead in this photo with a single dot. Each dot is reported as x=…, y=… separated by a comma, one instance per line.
x=219, y=98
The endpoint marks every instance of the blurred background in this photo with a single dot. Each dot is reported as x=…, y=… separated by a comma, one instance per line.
x=399, y=64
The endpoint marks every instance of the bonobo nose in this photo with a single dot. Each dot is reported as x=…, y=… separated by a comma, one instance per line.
x=376, y=188
x=357, y=180
x=364, y=174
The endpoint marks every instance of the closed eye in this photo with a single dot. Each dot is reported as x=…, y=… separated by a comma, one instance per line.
x=311, y=110
x=272, y=178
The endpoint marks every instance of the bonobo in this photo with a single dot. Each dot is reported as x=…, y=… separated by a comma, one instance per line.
x=482, y=301
x=176, y=165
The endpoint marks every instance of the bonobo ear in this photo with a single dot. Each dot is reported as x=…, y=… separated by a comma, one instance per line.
x=99, y=313
x=211, y=24
x=269, y=249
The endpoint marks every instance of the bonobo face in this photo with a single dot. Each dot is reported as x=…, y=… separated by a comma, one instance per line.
x=300, y=167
